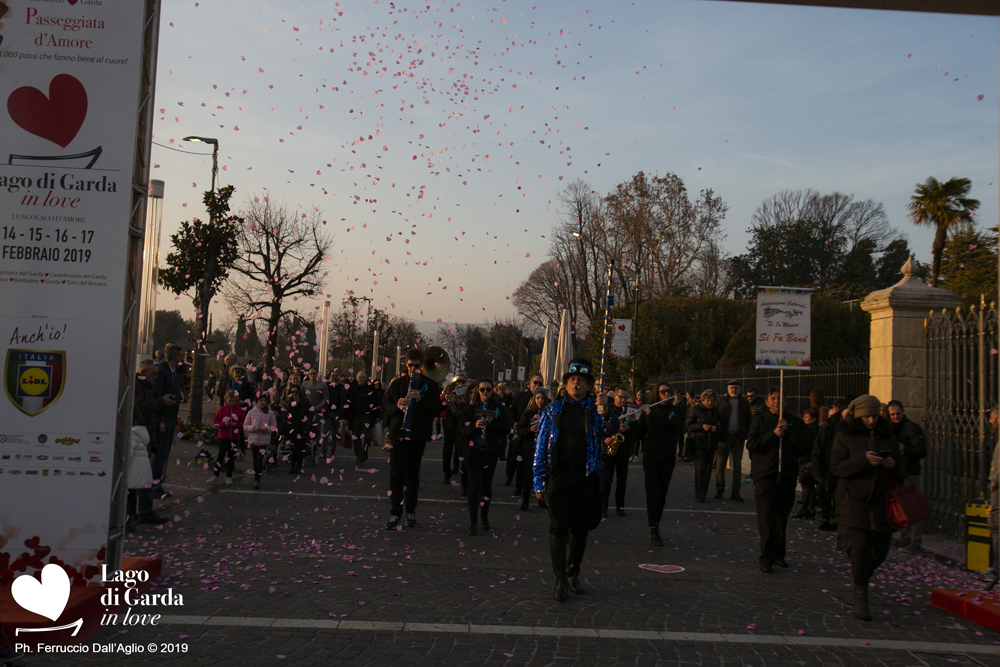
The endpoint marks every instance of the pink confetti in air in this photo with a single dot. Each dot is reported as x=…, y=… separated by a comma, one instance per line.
x=801, y=632
x=752, y=626
x=200, y=499
x=980, y=97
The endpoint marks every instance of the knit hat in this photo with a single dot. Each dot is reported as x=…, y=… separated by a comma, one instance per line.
x=864, y=406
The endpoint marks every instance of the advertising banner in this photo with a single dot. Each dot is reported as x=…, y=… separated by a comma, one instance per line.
x=70, y=76
x=621, y=338
x=784, y=328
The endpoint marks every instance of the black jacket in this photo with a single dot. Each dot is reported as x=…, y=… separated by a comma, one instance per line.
x=424, y=411
x=168, y=382
x=822, y=446
x=911, y=436
x=862, y=487
x=661, y=427
x=636, y=431
x=362, y=401
x=496, y=429
x=697, y=416
x=146, y=408
x=744, y=417
x=763, y=444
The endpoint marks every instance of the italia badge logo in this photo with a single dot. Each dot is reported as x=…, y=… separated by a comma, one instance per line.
x=34, y=379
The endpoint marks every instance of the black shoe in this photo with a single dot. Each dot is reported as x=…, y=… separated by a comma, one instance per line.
x=719, y=493
x=508, y=481
x=517, y=493
x=525, y=506
x=736, y=498
x=447, y=480
x=861, y=609
x=559, y=594
x=393, y=523
x=542, y=505
x=620, y=511
x=604, y=513
x=472, y=529
x=654, y=535
x=701, y=500
x=411, y=520
x=573, y=584
x=153, y=519
x=766, y=568
x=826, y=525
x=781, y=562
x=486, y=523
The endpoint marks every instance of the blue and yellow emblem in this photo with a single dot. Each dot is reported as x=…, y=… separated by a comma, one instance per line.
x=34, y=379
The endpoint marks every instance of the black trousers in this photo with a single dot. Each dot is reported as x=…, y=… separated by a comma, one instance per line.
x=449, y=453
x=775, y=500
x=657, y=476
x=479, y=467
x=404, y=475
x=734, y=454
x=259, y=454
x=702, y=470
x=512, y=468
x=867, y=551
x=616, y=465
x=826, y=489
x=227, y=456
x=572, y=497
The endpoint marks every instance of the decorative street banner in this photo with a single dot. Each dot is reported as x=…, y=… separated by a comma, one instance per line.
x=621, y=338
x=69, y=87
x=784, y=328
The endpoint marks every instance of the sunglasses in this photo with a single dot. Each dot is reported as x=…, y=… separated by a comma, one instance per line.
x=412, y=366
x=663, y=391
x=577, y=367
x=484, y=390
x=536, y=382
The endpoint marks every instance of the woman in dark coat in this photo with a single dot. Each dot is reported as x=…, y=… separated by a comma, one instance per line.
x=482, y=433
x=527, y=431
x=866, y=458
x=659, y=456
x=702, y=425
x=296, y=423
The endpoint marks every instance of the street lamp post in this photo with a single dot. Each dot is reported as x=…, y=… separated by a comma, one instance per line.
x=214, y=143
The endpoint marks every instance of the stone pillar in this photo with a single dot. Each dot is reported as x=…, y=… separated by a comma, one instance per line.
x=897, y=365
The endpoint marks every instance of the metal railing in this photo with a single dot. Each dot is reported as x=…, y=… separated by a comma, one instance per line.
x=836, y=378
x=960, y=386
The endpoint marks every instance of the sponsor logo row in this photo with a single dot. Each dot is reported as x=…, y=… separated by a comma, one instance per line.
x=45, y=472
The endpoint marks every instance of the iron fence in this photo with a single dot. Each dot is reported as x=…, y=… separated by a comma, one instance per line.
x=961, y=385
x=836, y=378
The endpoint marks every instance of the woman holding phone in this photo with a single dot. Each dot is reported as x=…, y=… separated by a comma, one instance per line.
x=867, y=458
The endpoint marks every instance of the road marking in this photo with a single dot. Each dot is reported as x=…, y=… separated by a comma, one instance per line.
x=451, y=501
x=648, y=635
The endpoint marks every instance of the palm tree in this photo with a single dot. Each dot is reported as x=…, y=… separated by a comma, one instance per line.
x=943, y=205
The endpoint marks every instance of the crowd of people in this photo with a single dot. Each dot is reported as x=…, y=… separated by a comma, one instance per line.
x=570, y=448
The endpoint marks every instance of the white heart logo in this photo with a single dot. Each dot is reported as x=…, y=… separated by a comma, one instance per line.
x=47, y=598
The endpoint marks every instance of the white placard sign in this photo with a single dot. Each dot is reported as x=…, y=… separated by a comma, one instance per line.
x=784, y=328
x=70, y=75
x=520, y=373
x=621, y=338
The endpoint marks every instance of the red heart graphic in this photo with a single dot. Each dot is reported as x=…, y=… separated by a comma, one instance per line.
x=12, y=280
x=64, y=282
x=663, y=569
x=46, y=275
x=32, y=542
x=43, y=280
x=621, y=327
x=72, y=2
x=57, y=117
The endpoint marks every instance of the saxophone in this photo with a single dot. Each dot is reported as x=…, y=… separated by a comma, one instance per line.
x=617, y=439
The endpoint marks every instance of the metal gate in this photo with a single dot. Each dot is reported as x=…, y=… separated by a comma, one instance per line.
x=960, y=387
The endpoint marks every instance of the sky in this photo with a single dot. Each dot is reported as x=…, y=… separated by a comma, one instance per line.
x=435, y=137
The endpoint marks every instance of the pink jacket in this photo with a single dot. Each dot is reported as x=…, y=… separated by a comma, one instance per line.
x=259, y=426
x=229, y=429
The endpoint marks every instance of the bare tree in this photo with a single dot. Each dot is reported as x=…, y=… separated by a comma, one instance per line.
x=281, y=257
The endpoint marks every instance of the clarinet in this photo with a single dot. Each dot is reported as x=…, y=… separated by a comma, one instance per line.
x=407, y=412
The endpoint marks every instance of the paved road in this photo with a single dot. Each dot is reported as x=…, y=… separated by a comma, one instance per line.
x=298, y=573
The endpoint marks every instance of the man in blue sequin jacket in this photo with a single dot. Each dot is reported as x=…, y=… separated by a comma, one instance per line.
x=569, y=455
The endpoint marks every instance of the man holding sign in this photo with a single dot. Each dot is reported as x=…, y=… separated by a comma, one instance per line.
x=775, y=442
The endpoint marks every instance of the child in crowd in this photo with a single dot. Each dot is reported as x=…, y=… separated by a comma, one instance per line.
x=229, y=422
x=259, y=424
